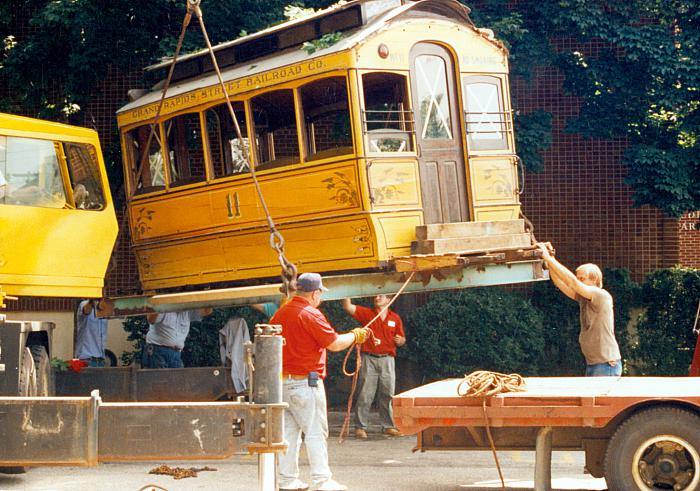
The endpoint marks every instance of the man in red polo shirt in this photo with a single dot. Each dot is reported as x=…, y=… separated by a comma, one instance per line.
x=378, y=372
x=307, y=336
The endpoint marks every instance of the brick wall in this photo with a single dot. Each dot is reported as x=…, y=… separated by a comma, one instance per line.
x=689, y=239
x=580, y=202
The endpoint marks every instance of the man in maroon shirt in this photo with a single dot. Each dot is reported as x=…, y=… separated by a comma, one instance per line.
x=378, y=372
x=307, y=336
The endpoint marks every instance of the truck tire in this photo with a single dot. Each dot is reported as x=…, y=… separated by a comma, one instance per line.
x=657, y=448
x=42, y=366
x=27, y=374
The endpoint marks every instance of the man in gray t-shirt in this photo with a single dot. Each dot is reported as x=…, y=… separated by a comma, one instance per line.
x=597, y=337
x=166, y=337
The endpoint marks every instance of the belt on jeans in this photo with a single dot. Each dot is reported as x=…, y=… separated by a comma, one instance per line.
x=294, y=376
x=375, y=355
x=165, y=347
x=93, y=358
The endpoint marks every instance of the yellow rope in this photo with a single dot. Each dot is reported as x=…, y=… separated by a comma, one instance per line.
x=485, y=384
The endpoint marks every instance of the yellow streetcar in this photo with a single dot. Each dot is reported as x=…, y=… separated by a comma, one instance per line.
x=393, y=138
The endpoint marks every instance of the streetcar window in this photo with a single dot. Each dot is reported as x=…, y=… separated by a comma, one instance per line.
x=276, y=138
x=226, y=149
x=327, y=117
x=484, y=113
x=145, y=159
x=185, y=149
x=387, y=118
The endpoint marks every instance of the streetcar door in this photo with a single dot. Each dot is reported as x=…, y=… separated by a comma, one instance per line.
x=438, y=135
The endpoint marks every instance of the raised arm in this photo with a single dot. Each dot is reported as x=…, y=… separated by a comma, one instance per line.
x=349, y=307
x=564, y=279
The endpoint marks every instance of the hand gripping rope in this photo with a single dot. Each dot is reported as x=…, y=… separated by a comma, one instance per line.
x=289, y=270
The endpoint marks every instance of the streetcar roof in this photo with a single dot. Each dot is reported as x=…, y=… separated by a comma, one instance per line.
x=372, y=16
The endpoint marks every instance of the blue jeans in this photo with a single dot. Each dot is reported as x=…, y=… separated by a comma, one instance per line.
x=604, y=369
x=95, y=363
x=160, y=357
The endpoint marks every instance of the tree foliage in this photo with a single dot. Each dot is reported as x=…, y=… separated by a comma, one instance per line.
x=665, y=330
x=54, y=70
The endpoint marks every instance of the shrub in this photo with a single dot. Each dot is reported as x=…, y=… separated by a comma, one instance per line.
x=666, y=340
x=455, y=333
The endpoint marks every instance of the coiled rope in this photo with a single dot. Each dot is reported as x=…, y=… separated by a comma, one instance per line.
x=358, y=357
x=485, y=384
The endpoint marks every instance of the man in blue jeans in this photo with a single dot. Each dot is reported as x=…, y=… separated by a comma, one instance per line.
x=597, y=337
x=166, y=337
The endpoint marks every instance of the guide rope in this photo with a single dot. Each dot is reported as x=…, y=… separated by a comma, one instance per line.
x=485, y=384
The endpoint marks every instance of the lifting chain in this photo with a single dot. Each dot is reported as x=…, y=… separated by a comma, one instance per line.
x=289, y=269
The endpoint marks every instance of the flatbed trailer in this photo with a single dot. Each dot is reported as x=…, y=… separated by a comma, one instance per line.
x=638, y=432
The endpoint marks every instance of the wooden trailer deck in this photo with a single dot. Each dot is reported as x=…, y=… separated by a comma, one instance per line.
x=550, y=401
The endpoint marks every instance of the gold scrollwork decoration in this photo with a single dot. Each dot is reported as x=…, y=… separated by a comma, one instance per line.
x=342, y=189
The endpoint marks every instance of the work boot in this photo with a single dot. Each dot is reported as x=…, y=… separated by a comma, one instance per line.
x=392, y=432
x=361, y=434
x=329, y=485
x=295, y=485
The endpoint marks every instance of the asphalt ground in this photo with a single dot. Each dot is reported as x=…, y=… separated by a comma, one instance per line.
x=377, y=464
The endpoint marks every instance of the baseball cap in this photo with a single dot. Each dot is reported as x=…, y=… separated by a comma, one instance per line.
x=309, y=282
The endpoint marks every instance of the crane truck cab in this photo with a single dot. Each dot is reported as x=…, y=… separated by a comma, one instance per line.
x=58, y=230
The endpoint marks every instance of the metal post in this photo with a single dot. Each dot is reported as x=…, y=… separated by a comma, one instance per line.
x=267, y=389
x=543, y=459
x=94, y=429
x=267, y=379
x=267, y=472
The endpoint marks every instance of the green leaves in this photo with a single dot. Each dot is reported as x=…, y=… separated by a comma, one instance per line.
x=325, y=41
x=666, y=178
x=642, y=85
x=664, y=330
x=533, y=134
x=635, y=66
x=456, y=333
